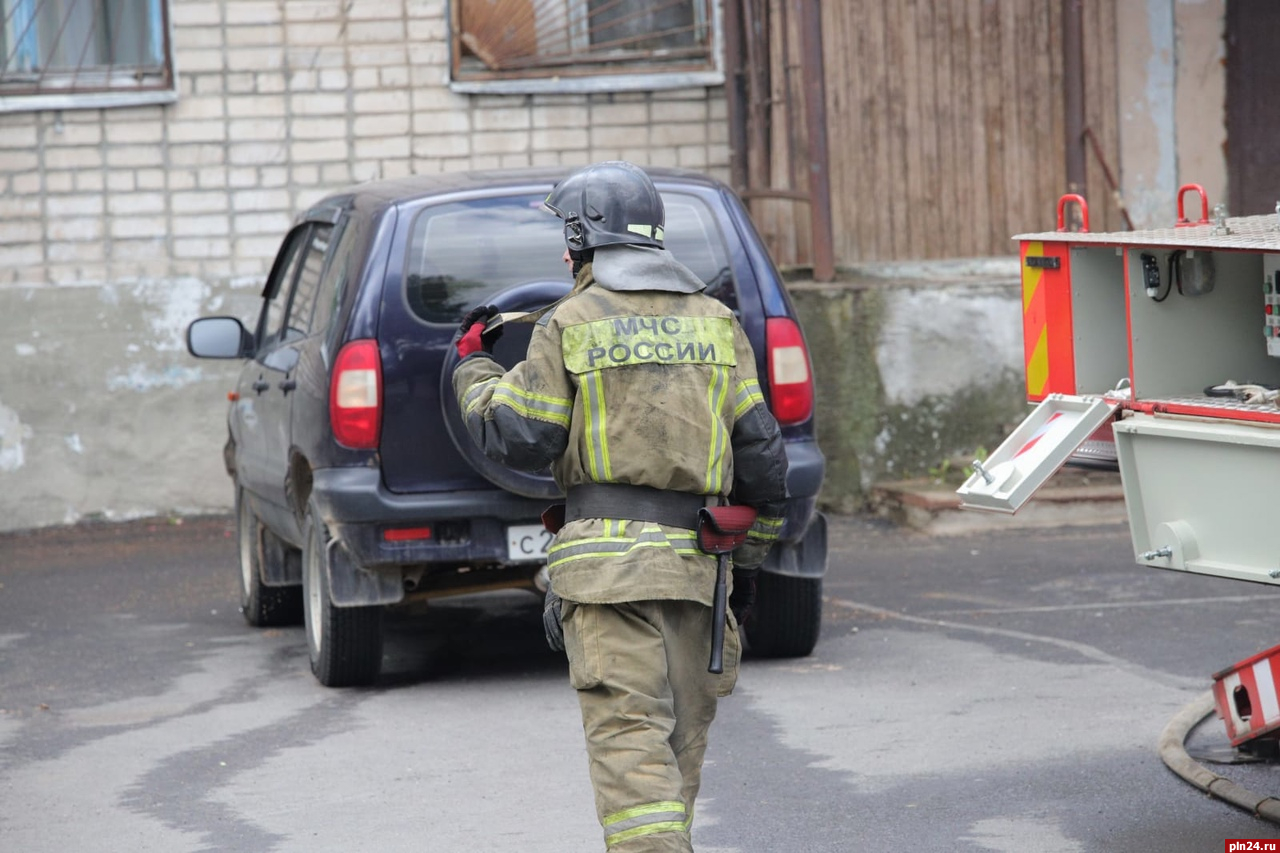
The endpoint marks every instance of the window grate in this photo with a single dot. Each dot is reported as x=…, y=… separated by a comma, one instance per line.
x=83, y=46
x=540, y=38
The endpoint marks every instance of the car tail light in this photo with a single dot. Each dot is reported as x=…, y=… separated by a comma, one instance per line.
x=790, y=380
x=355, y=396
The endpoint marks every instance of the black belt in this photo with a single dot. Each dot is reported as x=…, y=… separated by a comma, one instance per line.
x=635, y=503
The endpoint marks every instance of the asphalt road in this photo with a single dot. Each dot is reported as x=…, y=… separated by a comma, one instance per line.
x=1000, y=692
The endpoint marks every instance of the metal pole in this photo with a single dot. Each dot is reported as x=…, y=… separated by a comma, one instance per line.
x=809, y=14
x=1073, y=92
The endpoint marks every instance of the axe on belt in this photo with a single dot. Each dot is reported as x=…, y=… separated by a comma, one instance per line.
x=720, y=530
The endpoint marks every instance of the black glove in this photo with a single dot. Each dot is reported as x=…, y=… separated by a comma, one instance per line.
x=744, y=594
x=472, y=339
x=551, y=621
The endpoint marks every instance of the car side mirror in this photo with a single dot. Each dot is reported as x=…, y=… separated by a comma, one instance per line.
x=219, y=337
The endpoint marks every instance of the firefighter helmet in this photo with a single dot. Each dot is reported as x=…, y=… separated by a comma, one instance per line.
x=608, y=204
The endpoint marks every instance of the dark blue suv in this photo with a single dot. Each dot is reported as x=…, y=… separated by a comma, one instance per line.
x=357, y=487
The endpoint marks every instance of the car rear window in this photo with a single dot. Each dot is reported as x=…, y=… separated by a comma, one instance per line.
x=461, y=254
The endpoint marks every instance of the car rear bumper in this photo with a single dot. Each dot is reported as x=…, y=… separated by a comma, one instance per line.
x=467, y=526
x=806, y=467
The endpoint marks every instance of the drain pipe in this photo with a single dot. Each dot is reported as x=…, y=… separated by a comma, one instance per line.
x=735, y=94
x=815, y=114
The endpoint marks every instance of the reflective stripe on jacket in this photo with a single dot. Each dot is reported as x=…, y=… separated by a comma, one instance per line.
x=650, y=387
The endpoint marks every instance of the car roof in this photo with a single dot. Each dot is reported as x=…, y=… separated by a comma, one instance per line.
x=408, y=189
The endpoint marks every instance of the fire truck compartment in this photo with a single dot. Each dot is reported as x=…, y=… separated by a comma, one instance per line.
x=1197, y=491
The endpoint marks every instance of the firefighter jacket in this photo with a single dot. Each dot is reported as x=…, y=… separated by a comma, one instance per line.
x=636, y=378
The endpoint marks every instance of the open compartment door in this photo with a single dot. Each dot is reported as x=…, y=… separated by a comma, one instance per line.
x=1038, y=447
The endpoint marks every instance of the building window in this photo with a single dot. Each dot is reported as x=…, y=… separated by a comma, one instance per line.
x=583, y=45
x=63, y=54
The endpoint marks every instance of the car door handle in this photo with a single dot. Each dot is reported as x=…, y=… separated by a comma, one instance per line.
x=288, y=385
x=261, y=385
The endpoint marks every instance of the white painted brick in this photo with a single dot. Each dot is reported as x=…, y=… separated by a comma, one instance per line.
x=120, y=182
x=212, y=178
x=255, y=200
x=718, y=109
x=261, y=248
x=558, y=140
x=441, y=122
x=394, y=76
x=25, y=184
x=80, y=228
x=273, y=176
x=200, y=247
x=313, y=152
x=545, y=158
x=16, y=136
x=19, y=161
x=616, y=137
x=376, y=32
x=21, y=231
x=451, y=145
x=90, y=182
x=718, y=131
x=379, y=126
x=503, y=118
x=59, y=206
x=256, y=153
x=201, y=226
x=246, y=12
x=336, y=174
x=334, y=78
x=196, y=38
x=365, y=78
x=318, y=105
x=555, y=117
x=20, y=255
x=692, y=94
x=603, y=114
x=152, y=179
x=500, y=143
x=303, y=80
x=317, y=128
x=677, y=134
x=392, y=101
x=177, y=180
x=515, y=161
x=718, y=156
x=259, y=35
x=204, y=85
x=195, y=13
x=380, y=149
x=243, y=83
x=692, y=156
x=429, y=96
x=251, y=129
x=136, y=132
x=135, y=204
x=256, y=106
x=59, y=182
x=203, y=60
x=194, y=156
x=257, y=58
x=485, y=162
x=387, y=54
x=306, y=198
x=396, y=168
x=88, y=252
x=314, y=32
x=134, y=227
x=19, y=206
x=679, y=111
x=313, y=10
x=301, y=175
x=245, y=176
x=270, y=82
x=133, y=156
x=73, y=134
x=208, y=130
x=199, y=202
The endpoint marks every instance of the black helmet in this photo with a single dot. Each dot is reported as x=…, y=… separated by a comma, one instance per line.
x=608, y=204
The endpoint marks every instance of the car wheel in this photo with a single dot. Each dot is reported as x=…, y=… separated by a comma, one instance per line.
x=786, y=618
x=263, y=606
x=345, y=643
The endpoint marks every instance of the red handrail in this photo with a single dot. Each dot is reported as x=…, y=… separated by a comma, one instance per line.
x=1084, y=211
x=1183, y=222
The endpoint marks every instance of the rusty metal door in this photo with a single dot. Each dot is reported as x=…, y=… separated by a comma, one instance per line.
x=1253, y=117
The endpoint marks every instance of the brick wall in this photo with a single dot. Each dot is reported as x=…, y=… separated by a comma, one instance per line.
x=279, y=103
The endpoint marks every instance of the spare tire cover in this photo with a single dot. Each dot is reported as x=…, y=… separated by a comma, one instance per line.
x=509, y=351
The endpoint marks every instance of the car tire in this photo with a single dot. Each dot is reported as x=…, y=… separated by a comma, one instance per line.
x=263, y=606
x=345, y=643
x=787, y=617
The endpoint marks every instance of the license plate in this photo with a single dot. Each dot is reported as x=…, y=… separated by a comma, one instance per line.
x=528, y=542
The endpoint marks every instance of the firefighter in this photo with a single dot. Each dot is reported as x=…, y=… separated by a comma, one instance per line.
x=641, y=394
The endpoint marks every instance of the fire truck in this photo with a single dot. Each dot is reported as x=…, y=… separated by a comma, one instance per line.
x=1157, y=352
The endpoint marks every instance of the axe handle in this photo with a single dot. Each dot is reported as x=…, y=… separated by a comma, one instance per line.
x=719, y=604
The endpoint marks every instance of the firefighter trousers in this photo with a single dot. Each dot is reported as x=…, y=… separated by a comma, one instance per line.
x=640, y=669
